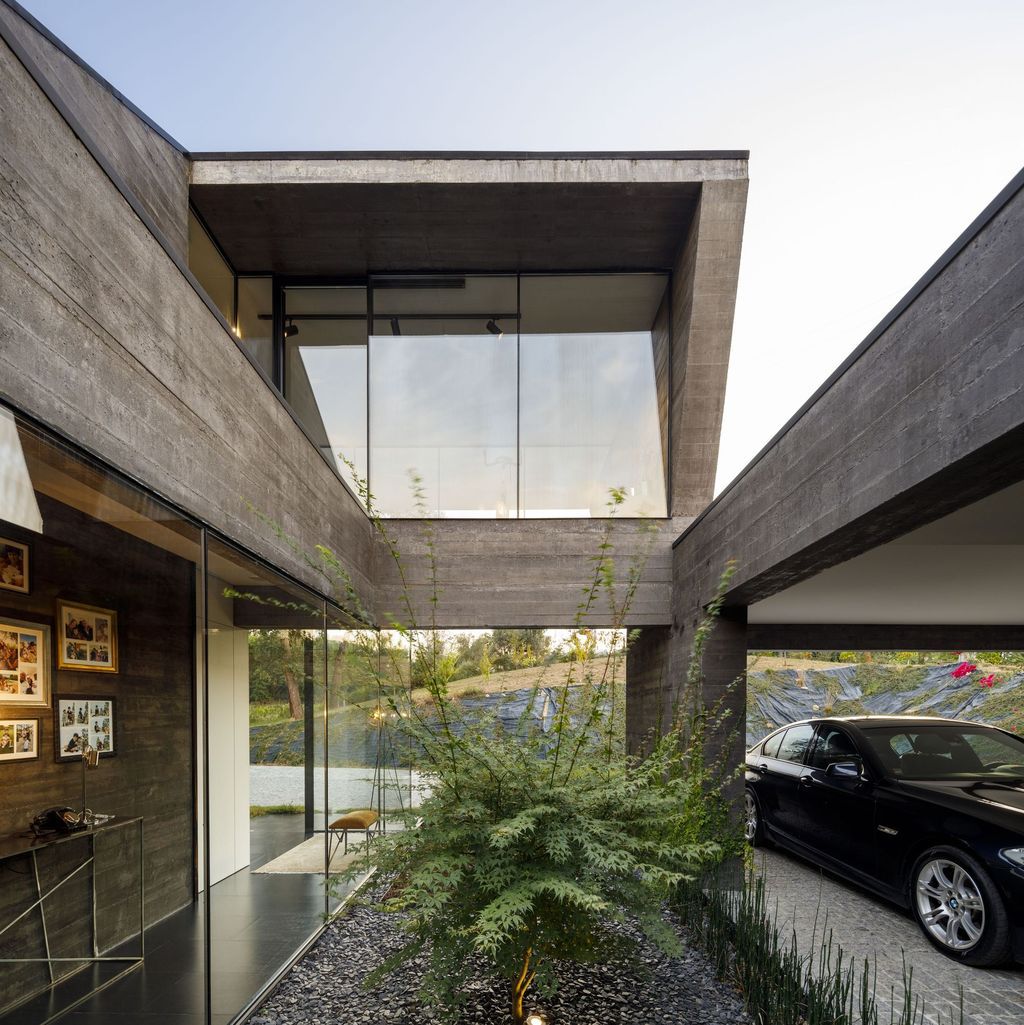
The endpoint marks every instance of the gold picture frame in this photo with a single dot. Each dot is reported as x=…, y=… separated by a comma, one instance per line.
x=14, y=568
x=24, y=665
x=86, y=637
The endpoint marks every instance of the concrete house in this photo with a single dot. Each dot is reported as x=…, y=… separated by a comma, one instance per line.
x=197, y=349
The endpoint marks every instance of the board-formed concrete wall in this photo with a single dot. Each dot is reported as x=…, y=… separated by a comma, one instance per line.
x=155, y=169
x=103, y=338
x=499, y=573
x=925, y=417
x=111, y=345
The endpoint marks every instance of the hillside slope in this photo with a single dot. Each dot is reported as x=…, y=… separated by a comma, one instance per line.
x=778, y=696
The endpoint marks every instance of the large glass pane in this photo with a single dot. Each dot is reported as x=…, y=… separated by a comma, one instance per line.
x=210, y=268
x=325, y=370
x=266, y=699
x=98, y=654
x=443, y=396
x=589, y=416
x=255, y=321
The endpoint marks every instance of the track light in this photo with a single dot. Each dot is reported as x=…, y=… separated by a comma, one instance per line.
x=395, y=326
x=291, y=329
x=493, y=328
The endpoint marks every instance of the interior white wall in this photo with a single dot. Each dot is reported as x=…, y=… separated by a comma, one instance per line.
x=228, y=674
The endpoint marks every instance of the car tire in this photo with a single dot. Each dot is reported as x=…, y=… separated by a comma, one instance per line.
x=753, y=822
x=958, y=907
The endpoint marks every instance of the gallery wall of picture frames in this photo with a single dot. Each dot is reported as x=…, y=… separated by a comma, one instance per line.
x=86, y=641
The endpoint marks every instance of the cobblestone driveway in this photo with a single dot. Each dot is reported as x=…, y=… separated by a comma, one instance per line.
x=866, y=927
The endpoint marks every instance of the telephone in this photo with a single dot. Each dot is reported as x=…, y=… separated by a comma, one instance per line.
x=57, y=820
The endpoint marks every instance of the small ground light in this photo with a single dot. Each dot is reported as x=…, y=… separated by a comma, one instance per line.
x=536, y=1019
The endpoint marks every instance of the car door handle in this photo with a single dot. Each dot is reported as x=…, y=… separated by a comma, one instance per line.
x=762, y=768
x=807, y=781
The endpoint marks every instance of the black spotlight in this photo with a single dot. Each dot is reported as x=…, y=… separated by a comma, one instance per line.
x=395, y=326
x=493, y=328
x=291, y=329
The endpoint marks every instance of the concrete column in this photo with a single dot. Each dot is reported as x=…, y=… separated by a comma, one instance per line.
x=647, y=684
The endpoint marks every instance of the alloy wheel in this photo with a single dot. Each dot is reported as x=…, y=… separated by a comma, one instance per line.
x=950, y=904
x=750, y=819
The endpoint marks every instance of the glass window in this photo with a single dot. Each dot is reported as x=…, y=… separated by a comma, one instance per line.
x=266, y=698
x=325, y=370
x=443, y=396
x=948, y=752
x=210, y=268
x=833, y=745
x=589, y=418
x=795, y=743
x=255, y=321
x=771, y=745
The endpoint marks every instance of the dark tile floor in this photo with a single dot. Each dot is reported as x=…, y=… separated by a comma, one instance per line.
x=258, y=922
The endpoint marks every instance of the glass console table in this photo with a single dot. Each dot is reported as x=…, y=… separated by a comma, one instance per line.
x=68, y=926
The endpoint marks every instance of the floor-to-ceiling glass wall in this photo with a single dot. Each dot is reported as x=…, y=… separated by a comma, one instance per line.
x=589, y=395
x=265, y=700
x=99, y=606
x=443, y=358
x=324, y=337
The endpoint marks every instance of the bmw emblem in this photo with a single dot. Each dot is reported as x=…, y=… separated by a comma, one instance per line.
x=953, y=904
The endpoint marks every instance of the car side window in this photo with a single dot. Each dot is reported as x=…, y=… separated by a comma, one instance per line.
x=771, y=745
x=832, y=745
x=795, y=744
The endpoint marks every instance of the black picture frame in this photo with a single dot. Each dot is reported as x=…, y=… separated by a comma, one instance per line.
x=87, y=716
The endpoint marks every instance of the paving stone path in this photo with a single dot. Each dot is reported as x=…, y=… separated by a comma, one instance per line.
x=867, y=927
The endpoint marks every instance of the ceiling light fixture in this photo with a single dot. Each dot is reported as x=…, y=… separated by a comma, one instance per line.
x=291, y=329
x=492, y=326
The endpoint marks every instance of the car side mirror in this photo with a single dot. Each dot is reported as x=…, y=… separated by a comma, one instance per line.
x=845, y=770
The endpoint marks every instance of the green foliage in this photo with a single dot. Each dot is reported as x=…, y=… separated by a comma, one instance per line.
x=530, y=842
x=258, y=811
x=780, y=983
x=518, y=649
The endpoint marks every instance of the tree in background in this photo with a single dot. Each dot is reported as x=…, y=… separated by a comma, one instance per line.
x=276, y=667
x=519, y=648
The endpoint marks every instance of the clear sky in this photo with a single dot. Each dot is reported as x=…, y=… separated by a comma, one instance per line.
x=877, y=130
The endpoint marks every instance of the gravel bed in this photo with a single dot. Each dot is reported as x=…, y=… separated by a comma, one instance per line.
x=325, y=987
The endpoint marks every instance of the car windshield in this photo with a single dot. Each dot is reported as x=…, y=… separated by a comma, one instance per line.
x=947, y=752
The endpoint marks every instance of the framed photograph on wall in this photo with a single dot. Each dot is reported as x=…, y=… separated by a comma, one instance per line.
x=24, y=664
x=80, y=720
x=19, y=740
x=14, y=566
x=87, y=638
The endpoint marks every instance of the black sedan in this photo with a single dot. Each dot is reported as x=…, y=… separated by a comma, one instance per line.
x=928, y=813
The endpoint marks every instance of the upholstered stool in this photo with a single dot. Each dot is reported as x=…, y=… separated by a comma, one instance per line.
x=362, y=820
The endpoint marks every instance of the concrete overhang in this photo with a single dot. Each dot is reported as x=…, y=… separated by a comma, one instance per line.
x=360, y=213
x=964, y=568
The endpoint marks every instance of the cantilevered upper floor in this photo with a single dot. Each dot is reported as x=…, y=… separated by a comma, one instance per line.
x=523, y=331
x=513, y=329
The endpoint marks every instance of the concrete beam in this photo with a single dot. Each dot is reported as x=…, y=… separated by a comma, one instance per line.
x=884, y=637
x=444, y=169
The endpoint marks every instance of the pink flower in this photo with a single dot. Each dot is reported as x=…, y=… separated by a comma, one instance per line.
x=986, y=681
x=964, y=669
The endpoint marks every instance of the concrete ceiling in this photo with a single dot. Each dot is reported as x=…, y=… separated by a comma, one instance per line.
x=353, y=214
x=357, y=229
x=965, y=568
